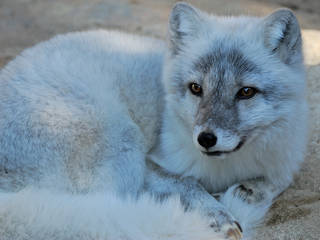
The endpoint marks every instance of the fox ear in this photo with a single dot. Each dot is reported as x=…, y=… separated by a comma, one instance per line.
x=283, y=37
x=183, y=24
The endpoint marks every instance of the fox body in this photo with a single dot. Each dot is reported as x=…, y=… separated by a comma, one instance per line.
x=221, y=109
x=77, y=114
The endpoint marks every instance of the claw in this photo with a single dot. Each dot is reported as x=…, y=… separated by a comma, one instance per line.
x=234, y=232
x=239, y=226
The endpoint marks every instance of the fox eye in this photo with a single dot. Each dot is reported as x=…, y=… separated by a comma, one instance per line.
x=246, y=92
x=195, y=88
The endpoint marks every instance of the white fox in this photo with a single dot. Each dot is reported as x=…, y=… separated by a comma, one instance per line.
x=120, y=137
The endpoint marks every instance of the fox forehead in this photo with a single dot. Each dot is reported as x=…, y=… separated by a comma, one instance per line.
x=221, y=64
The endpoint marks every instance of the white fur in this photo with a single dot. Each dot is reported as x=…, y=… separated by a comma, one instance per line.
x=80, y=113
x=71, y=90
x=274, y=152
x=35, y=214
x=72, y=109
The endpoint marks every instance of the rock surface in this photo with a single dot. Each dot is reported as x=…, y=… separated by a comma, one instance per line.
x=296, y=214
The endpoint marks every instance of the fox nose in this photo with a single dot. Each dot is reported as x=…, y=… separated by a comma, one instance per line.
x=207, y=140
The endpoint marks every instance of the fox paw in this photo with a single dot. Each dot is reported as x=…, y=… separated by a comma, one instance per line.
x=230, y=228
x=248, y=193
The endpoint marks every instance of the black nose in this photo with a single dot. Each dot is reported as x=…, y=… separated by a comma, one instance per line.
x=207, y=140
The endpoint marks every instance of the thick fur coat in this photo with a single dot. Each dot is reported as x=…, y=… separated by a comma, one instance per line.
x=100, y=131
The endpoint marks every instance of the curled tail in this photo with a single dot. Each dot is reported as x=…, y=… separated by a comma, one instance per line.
x=34, y=214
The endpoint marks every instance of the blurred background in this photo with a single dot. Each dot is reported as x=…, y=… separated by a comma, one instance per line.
x=23, y=23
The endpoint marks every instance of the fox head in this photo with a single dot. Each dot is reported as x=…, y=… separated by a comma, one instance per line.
x=230, y=79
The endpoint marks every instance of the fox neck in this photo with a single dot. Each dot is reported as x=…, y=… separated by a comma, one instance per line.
x=177, y=154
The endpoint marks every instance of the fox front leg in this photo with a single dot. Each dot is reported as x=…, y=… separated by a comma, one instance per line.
x=193, y=196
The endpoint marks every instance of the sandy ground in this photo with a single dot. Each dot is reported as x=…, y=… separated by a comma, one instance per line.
x=296, y=214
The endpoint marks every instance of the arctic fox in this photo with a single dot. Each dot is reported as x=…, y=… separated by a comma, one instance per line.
x=91, y=122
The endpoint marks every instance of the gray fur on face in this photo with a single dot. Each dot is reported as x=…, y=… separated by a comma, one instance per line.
x=223, y=59
x=223, y=70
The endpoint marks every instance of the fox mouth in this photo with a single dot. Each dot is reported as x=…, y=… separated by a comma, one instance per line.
x=218, y=153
